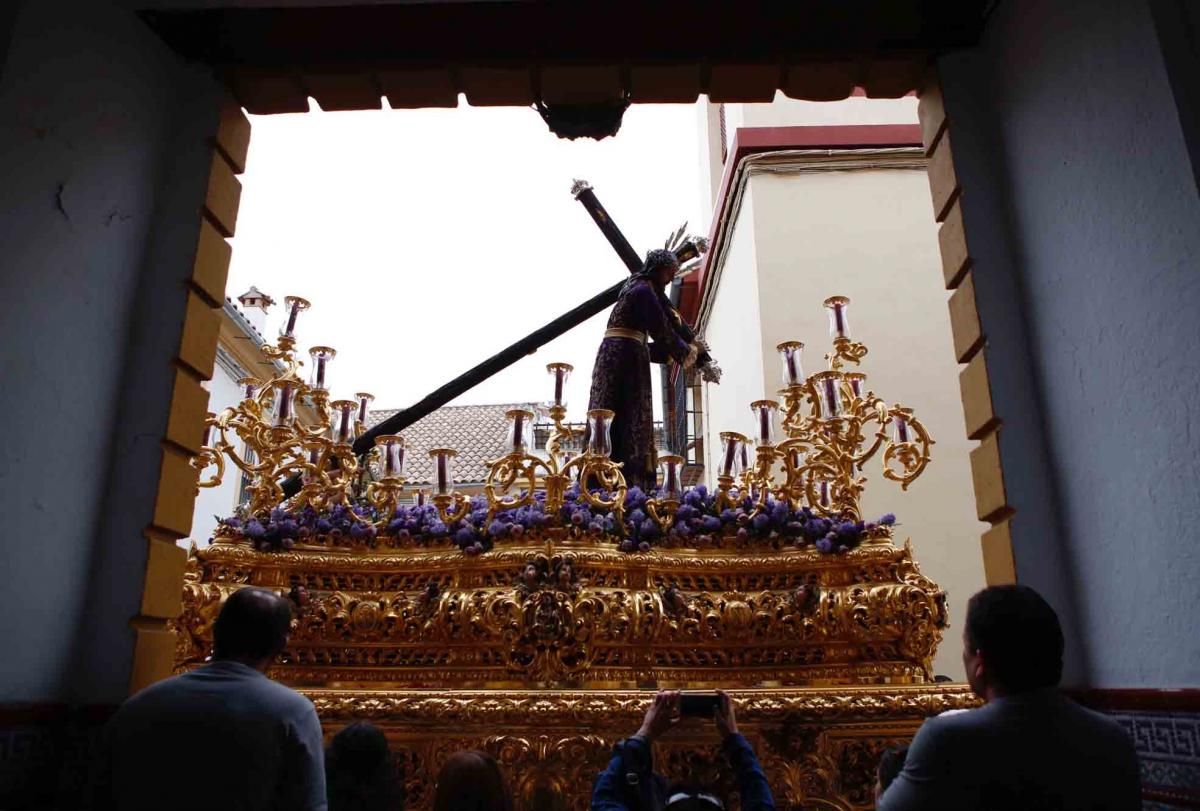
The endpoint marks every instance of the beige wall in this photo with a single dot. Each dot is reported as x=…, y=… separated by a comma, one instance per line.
x=870, y=235
x=733, y=326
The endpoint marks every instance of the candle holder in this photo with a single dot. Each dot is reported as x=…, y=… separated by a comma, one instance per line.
x=322, y=357
x=341, y=423
x=663, y=507
x=281, y=440
x=452, y=506
x=364, y=400
x=384, y=492
x=556, y=471
x=250, y=387
x=292, y=306
x=833, y=426
x=730, y=466
x=790, y=353
x=561, y=372
x=844, y=350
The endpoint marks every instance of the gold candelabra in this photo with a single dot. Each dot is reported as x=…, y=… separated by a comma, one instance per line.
x=826, y=445
x=279, y=439
x=520, y=469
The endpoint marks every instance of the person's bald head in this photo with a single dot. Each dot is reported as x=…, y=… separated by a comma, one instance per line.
x=252, y=627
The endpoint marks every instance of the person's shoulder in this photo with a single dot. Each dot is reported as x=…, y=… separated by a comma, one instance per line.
x=284, y=696
x=951, y=729
x=1098, y=728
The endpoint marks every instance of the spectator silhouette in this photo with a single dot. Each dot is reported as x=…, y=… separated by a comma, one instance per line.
x=359, y=772
x=629, y=782
x=471, y=781
x=1029, y=746
x=223, y=735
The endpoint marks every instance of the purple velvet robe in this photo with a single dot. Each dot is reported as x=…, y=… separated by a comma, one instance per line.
x=621, y=377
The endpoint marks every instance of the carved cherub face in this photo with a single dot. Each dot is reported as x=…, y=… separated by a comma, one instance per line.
x=530, y=574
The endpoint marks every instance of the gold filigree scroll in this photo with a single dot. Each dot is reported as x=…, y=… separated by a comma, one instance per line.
x=564, y=611
x=818, y=746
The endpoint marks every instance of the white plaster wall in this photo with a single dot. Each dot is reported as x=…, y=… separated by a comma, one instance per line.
x=733, y=331
x=1089, y=172
x=216, y=502
x=786, y=112
x=870, y=235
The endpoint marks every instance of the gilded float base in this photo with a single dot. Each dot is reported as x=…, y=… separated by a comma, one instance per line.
x=819, y=746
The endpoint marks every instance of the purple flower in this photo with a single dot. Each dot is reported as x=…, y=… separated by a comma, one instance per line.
x=626, y=546
x=464, y=537
x=825, y=545
x=743, y=533
x=644, y=547
x=255, y=530
x=888, y=519
x=761, y=522
x=358, y=531
x=288, y=543
x=710, y=524
x=516, y=530
x=497, y=529
x=595, y=527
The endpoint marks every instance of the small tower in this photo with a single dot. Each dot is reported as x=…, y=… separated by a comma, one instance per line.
x=255, y=304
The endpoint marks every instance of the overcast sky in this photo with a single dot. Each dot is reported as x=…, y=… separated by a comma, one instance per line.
x=427, y=240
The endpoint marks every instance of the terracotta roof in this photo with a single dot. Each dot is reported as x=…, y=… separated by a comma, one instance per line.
x=477, y=432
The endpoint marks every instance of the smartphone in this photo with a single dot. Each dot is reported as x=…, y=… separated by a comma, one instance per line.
x=703, y=705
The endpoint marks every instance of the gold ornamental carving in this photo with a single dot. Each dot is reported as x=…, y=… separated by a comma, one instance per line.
x=542, y=642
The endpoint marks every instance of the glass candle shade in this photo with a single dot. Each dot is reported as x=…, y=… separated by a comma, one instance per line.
x=789, y=356
x=341, y=421
x=798, y=459
x=421, y=498
x=858, y=383
x=764, y=420
x=900, y=432
x=823, y=493
x=829, y=394
x=600, y=431
x=670, y=464
x=249, y=387
x=443, y=473
x=731, y=453
x=285, y=403
x=292, y=307
x=364, y=407
x=520, y=430
x=210, y=431
x=837, y=306
x=321, y=356
x=744, y=454
x=391, y=455
x=561, y=372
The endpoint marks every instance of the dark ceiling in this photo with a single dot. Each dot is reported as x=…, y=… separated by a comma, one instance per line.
x=568, y=52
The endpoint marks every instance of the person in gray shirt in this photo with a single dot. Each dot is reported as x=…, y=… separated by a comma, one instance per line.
x=223, y=735
x=1029, y=747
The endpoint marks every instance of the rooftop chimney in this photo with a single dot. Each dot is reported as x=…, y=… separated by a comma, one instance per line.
x=254, y=304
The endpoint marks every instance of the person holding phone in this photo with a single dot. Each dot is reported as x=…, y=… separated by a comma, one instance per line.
x=630, y=784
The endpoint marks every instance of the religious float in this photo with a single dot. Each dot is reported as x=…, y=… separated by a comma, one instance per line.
x=534, y=621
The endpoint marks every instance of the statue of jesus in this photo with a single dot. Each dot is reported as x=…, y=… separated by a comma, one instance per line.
x=621, y=376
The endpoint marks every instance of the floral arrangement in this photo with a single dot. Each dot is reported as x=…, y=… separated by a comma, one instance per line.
x=697, y=522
